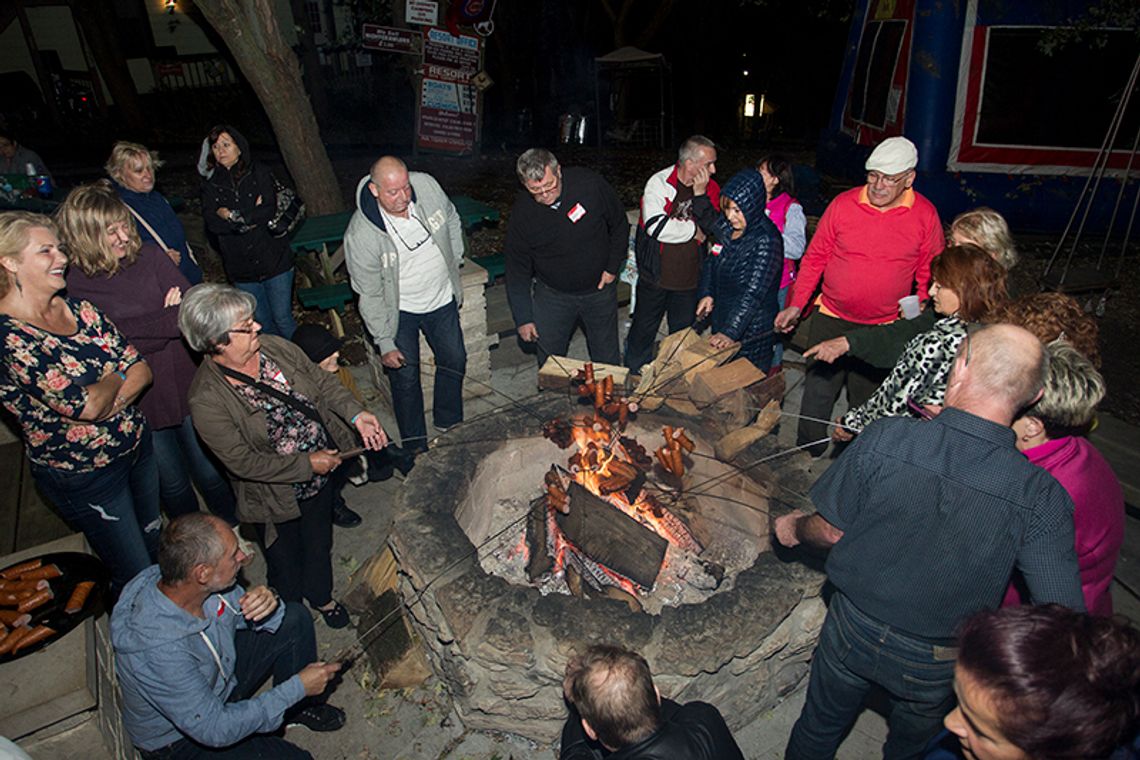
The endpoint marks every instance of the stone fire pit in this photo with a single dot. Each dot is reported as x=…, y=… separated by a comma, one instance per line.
x=502, y=648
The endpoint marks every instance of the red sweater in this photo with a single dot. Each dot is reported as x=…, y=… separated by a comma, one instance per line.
x=869, y=259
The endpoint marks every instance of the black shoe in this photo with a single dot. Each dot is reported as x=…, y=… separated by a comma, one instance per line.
x=337, y=617
x=343, y=517
x=319, y=717
x=404, y=459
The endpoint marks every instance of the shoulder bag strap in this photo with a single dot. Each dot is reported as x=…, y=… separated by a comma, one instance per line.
x=286, y=398
x=147, y=226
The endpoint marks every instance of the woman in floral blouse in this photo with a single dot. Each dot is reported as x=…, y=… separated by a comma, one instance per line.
x=274, y=420
x=70, y=378
x=139, y=288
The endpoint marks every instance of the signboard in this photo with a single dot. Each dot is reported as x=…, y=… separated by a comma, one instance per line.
x=448, y=112
x=441, y=48
x=424, y=12
x=388, y=38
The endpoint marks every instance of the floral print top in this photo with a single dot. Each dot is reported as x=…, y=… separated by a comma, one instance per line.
x=289, y=430
x=44, y=384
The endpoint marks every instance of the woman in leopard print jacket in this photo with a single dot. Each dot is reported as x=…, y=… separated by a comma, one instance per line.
x=967, y=287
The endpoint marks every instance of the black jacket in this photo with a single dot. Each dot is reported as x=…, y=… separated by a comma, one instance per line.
x=249, y=252
x=693, y=731
x=568, y=247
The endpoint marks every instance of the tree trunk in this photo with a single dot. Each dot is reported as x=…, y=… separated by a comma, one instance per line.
x=98, y=25
x=311, y=59
x=253, y=36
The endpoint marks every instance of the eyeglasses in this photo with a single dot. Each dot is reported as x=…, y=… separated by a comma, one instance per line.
x=410, y=247
x=890, y=180
x=538, y=192
x=250, y=330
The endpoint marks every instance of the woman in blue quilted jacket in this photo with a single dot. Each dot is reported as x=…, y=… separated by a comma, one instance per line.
x=740, y=278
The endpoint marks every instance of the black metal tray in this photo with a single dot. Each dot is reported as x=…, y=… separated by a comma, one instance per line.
x=76, y=568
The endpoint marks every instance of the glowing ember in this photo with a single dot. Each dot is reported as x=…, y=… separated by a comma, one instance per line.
x=613, y=468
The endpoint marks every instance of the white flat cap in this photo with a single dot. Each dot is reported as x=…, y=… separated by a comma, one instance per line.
x=892, y=156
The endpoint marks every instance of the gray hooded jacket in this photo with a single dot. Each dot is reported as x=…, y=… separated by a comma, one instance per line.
x=174, y=685
x=372, y=260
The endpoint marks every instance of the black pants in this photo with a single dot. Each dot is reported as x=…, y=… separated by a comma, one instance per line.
x=823, y=381
x=652, y=303
x=282, y=654
x=556, y=314
x=300, y=561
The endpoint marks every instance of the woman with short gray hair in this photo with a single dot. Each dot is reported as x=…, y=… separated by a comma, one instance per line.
x=275, y=420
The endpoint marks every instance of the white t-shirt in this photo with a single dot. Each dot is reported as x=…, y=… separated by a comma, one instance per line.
x=425, y=284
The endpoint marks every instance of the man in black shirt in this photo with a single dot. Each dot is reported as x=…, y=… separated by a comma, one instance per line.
x=617, y=713
x=567, y=240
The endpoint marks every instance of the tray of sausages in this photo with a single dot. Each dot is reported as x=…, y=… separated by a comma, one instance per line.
x=41, y=599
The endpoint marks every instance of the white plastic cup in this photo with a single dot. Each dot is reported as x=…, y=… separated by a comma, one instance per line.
x=908, y=305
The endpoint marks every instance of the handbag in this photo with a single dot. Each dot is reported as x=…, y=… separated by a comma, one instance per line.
x=290, y=210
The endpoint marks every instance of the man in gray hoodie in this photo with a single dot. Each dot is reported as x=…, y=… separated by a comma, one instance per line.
x=403, y=248
x=192, y=647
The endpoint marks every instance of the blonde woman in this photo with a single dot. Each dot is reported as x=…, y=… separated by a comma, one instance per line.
x=132, y=168
x=140, y=289
x=69, y=377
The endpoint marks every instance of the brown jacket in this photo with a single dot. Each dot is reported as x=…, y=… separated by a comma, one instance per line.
x=236, y=432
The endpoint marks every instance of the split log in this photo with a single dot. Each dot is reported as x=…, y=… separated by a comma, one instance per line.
x=557, y=372
x=737, y=441
x=610, y=537
x=710, y=385
x=703, y=357
x=684, y=406
x=767, y=389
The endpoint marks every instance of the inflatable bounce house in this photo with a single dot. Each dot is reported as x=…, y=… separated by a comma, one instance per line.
x=1002, y=115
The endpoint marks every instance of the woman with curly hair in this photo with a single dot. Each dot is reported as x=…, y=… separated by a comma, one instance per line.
x=967, y=288
x=1050, y=316
x=1044, y=683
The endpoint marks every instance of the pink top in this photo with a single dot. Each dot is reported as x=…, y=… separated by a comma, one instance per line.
x=1098, y=518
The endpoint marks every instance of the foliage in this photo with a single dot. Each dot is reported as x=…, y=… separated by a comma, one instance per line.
x=1091, y=28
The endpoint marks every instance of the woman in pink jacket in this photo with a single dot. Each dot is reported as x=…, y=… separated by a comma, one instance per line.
x=1051, y=434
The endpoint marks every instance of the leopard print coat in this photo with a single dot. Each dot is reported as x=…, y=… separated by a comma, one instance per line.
x=920, y=373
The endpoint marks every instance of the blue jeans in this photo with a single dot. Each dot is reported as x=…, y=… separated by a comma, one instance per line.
x=259, y=653
x=556, y=314
x=115, y=507
x=180, y=458
x=274, y=303
x=680, y=306
x=445, y=337
x=856, y=652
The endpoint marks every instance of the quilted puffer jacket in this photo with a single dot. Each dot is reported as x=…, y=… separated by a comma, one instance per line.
x=743, y=275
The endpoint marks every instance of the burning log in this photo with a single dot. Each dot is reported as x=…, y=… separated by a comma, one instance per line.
x=540, y=563
x=611, y=538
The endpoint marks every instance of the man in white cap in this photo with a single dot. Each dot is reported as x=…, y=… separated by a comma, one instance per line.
x=873, y=246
